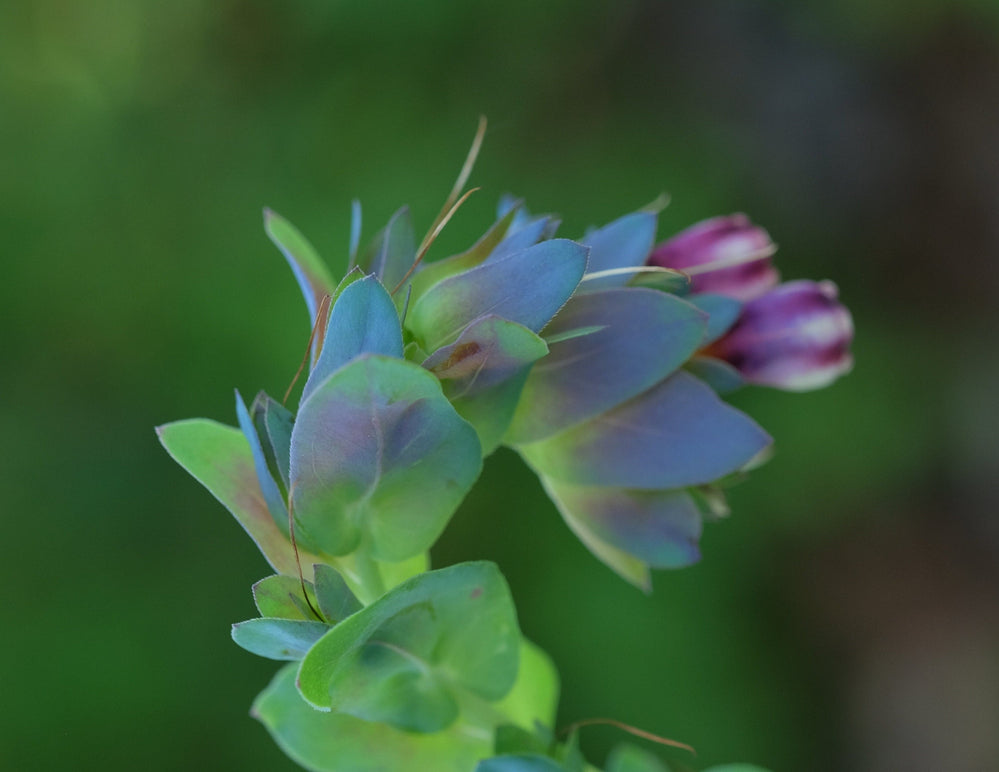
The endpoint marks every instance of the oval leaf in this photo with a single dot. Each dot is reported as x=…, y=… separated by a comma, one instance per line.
x=378, y=454
x=640, y=337
x=286, y=639
x=407, y=658
x=675, y=435
x=310, y=271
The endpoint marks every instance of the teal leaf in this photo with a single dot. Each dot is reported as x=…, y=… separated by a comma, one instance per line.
x=283, y=639
x=624, y=243
x=677, y=434
x=718, y=374
x=410, y=658
x=642, y=336
x=280, y=597
x=310, y=271
x=629, y=758
x=378, y=455
x=520, y=763
x=526, y=235
x=336, y=601
x=363, y=320
x=268, y=486
x=527, y=287
x=722, y=313
x=491, y=411
x=219, y=457
x=273, y=422
x=336, y=742
x=432, y=273
x=391, y=253
x=659, y=528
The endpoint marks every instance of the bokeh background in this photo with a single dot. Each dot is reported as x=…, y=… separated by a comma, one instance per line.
x=846, y=617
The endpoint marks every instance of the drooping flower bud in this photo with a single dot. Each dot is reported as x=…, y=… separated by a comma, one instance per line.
x=795, y=337
x=724, y=255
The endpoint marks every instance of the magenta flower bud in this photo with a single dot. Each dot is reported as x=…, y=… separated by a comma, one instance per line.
x=795, y=337
x=724, y=255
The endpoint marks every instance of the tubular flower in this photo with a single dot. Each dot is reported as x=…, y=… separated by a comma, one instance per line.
x=795, y=337
x=724, y=255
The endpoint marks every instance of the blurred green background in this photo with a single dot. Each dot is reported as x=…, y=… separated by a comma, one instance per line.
x=844, y=618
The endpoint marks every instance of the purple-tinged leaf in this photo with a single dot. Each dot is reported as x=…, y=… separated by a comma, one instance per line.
x=268, y=486
x=527, y=287
x=659, y=528
x=488, y=351
x=624, y=243
x=722, y=313
x=362, y=321
x=431, y=273
x=379, y=456
x=282, y=639
x=677, y=434
x=310, y=271
x=642, y=337
x=219, y=457
x=390, y=255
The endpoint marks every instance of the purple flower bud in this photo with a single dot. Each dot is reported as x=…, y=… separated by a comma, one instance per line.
x=725, y=255
x=795, y=337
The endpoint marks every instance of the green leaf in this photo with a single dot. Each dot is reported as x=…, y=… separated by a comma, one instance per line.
x=661, y=279
x=336, y=601
x=336, y=742
x=511, y=739
x=219, y=457
x=281, y=597
x=432, y=273
x=677, y=434
x=410, y=658
x=533, y=699
x=527, y=287
x=643, y=337
x=718, y=374
x=278, y=638
x=310, y=271
x=379, y=456
x=629, y=758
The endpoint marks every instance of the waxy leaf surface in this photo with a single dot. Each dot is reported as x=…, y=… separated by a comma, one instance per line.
x=624, y=243
x=337, y=742
x=219, y=457
x=363, y=320
x=409, y=658
x=282, y=639
x=677, y=434
x=641, y=337
x=527, y=287
x=378, y=455
x=392, y=251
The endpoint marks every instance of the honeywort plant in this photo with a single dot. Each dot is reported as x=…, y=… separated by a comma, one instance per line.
x=599, y=360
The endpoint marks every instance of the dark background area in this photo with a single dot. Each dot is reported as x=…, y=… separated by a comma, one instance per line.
x=846, y=617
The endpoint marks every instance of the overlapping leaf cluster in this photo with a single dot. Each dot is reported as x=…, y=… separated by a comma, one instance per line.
x=572, y=352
